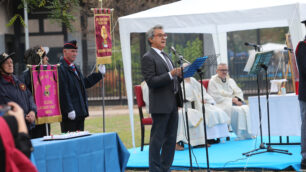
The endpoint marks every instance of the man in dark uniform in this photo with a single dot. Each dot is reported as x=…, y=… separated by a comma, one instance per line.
x=12, y=89
x=72, y=86
x=164, y=97
x=300, y=52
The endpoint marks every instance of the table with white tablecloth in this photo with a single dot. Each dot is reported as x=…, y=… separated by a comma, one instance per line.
x=285, y=117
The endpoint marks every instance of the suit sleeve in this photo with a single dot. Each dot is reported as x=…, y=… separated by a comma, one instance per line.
x=92, y=79
x=65, y=99
x=148, y=69
x=33, y=106
x=301, y=57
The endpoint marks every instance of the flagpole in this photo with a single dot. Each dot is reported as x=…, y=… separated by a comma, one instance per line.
x=103, y=95
x=26, y=27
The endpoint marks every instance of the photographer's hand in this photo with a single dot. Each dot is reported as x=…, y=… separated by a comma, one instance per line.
x=30, y=117
x=17, y=112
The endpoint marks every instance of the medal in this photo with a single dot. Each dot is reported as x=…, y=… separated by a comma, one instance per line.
x=22, y=87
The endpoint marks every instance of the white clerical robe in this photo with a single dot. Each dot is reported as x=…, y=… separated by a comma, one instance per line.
x=213, y=114
x=145, y=94
x=223, y=92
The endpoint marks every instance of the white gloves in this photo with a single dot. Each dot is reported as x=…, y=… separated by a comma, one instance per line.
x=102, y=69
x=71, y=115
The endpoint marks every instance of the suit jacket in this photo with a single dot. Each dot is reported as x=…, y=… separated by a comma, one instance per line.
x=301, y=62
x=161, y=95
x=72, y=89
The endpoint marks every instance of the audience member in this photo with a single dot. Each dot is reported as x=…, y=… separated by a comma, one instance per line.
x=12, y=89
x=35, y=56
x=301, y=62
x=15, y=144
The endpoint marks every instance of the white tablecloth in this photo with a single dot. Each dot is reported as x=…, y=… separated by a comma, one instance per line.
x=285, y=117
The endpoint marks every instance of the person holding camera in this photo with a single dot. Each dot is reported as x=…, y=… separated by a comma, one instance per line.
x=12, y=89
x=15, y=143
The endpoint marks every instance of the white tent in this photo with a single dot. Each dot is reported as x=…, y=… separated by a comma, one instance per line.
x=210, y=16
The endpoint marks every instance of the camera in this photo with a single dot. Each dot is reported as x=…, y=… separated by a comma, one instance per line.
x=4, y=109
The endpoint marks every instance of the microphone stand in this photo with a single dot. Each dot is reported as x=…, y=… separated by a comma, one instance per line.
x=262, y=144
x=269, y=147
x=180, y=62
x=204, y=119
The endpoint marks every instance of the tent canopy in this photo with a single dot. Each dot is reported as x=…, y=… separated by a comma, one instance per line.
x=216, y=17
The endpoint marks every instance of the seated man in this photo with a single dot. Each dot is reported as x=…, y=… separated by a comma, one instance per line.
x=214, y=115
x=229, y=97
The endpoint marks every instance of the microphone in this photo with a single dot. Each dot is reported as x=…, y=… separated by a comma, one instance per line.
x=180, y=57
x=173, y=50
x=289, y=49
x=250, y=44
x=265, y=67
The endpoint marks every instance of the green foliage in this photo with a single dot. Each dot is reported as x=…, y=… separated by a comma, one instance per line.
x=60, y=10
x=192, y=50
x=113, y=123
x=14, y=18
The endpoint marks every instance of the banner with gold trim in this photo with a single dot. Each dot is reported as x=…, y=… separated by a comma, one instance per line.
x=46, y=93
x=102, y=19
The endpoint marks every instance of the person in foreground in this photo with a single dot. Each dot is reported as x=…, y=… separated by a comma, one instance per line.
x=165, y=96
x=12, y=89
x=229, y=97
x=72, y=87
x=301, y=62
x=15, y=144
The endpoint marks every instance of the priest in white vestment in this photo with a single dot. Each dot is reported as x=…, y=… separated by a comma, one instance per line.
x=213, y=115
x=229, y=97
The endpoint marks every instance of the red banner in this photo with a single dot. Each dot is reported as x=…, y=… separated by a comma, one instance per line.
x=46, y=93
x=103, y=36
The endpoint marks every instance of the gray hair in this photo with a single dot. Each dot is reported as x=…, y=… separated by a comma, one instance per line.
x=150, y=32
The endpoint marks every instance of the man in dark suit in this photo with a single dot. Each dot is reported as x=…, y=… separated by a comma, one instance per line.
x=300, y=52
x=72, y=87
x=164, y=96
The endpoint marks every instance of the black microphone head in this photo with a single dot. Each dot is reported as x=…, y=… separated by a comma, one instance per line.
x=246, y=44
x=173, y=49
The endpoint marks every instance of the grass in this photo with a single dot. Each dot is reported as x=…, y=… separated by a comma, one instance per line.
x=115, y=123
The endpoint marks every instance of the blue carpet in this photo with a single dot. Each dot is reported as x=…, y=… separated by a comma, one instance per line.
x=228, y=155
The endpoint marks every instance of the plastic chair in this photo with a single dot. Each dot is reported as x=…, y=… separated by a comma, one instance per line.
x=143, y=121
x=205, y=82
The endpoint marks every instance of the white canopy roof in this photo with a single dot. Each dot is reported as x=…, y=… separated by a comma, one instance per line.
x=216, y=17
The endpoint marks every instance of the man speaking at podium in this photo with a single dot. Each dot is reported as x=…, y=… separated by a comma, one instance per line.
x=165, y=96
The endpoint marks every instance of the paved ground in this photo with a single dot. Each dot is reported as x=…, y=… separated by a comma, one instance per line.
x=110, y=110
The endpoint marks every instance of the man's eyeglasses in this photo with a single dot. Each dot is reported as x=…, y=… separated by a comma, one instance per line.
x=162, y=35
x=223, y=70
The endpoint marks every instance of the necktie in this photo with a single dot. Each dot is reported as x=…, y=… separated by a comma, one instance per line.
x=170, y=67
x=74, y=69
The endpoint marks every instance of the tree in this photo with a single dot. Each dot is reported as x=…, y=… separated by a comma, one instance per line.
x=60, y=10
